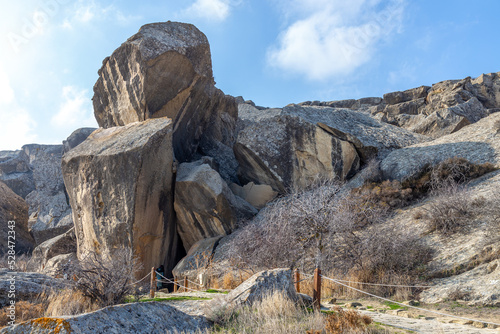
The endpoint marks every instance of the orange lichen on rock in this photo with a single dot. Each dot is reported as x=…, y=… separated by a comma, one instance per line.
x=54, y=324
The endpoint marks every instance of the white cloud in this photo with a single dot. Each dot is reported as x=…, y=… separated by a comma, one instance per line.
x=212, y=10
x=75, y=110
x=85, y=12
x=17, y=126
x=333, y=38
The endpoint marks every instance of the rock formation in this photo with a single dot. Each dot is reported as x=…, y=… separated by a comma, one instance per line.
x=60, y=245
x=14, y=208
x=133, y=318
x=204, y=204
x=15, y=172
x=197, y=258
x=479, y=142
x=165, y=70
x=50, y=213
x=119, y=183
x=294, y=146
x=76, y=138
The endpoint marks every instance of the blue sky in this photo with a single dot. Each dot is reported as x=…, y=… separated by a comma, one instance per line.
x=274, y=52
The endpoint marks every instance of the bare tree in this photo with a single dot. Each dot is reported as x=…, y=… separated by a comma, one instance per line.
x=106, y=280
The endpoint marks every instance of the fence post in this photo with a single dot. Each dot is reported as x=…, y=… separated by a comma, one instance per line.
x=297, y=280
x=185, y=283
x=175, y=284
x=317, y=289
x=153, y=283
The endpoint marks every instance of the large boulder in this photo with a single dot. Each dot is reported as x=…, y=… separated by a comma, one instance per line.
x=165, y=70
x=479, y=143
x=62, y=244
x=205, y=205
x=197, y=259
x=14, y=208
x=50, y=213
x=147, y=318
x=294, y=146
x=119, y=184
x=16, y=173
x=76, y=138
x=487, y=89
x=261, y=285
x=258, y=195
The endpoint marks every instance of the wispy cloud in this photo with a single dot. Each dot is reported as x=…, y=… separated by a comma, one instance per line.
x=75, y=110
x=332, y=38
x=86, y=12
x=211, y=10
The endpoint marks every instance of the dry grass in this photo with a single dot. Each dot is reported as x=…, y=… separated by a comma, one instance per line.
x=275, y=314
x=24, y=311
x=21, y=262
x=349, y=321
x=68, y=302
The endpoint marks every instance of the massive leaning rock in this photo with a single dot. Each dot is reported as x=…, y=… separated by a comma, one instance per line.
x=479, y=143
x=291, y=147
x=133, y=318
x=166, y=70
x=50, y=213
x=205, y=205
x=119, y=183
x=13, y=208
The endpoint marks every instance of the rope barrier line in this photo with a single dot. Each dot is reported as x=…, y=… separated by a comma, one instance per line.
x=410, y=306
x=170, y=281
x=195, y=283
x=142, y=279
x=391, y=285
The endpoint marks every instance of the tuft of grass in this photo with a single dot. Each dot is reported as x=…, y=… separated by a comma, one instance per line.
x=216, y=291
x=394, y=306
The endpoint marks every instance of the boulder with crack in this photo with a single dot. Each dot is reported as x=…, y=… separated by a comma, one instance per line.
x=119, y=184
x=294, y=146
x=165, y=70
x=59, y=245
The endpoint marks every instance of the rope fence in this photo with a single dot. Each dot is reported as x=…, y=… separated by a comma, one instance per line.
x=339, y=282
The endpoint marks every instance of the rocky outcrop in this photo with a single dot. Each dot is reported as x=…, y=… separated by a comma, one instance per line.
x=13, y=208
x=263, y=284
x=165, y=70
x=28, y=286
x=197, y=259
x=294, y=146
x=50, y=213
x=62, y=244
x=76, y=138
x=479, y=143
x=147, y=318
x=119, y=184
x=204, y=204
x=258, y=195
x=16, y=173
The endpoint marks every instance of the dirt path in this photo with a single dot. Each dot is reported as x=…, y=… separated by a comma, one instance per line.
x=425, y=326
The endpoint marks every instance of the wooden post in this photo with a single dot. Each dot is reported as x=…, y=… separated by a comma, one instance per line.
x=185, y=283
x=175, y=284
x=297, y=280
x=317, y=289
x=153, y=283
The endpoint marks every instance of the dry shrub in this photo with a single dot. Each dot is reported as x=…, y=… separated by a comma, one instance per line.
x=395, y=194
x=21, y=262
x=350, y=321
x=451, y=210
x=106, y=280
x=25, y=310
x=229, y=282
